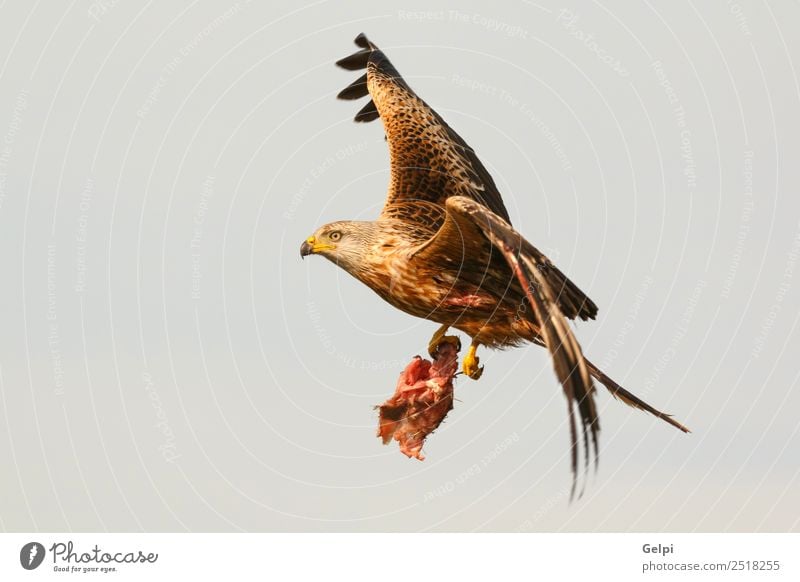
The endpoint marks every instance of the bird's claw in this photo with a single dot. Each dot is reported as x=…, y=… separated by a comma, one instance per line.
x=439, y=339
x=470, y=365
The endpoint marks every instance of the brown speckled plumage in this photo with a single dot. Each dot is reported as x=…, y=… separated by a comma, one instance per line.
x=443, y=247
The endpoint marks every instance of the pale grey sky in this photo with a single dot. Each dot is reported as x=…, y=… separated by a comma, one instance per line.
x=168, y=362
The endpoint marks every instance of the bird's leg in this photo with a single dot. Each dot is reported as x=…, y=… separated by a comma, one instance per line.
x=471, y=361
x=439, y=338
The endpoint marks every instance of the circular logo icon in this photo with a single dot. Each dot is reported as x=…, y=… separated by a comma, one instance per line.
x=31, y=555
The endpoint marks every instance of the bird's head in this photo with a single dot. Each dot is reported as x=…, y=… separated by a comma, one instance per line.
x=344, y=243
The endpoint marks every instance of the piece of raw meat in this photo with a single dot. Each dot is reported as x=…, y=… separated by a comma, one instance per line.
x=422, y=399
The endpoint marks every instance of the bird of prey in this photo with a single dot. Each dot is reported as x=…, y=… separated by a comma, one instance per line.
x=443, y=249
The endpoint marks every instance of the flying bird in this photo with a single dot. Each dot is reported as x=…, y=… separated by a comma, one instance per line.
x=443, y=249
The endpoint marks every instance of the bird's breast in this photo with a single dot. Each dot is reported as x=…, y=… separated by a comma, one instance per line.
x=424, y=290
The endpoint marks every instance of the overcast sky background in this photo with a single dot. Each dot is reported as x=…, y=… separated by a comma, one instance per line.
x=168, y=363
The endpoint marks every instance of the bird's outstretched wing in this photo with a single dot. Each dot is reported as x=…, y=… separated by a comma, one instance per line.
x=429, y=161
x=467, y=226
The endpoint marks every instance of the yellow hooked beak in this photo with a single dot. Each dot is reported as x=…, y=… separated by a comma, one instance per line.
x=310, y=246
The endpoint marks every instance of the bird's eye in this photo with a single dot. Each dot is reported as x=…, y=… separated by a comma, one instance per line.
x=335, y=235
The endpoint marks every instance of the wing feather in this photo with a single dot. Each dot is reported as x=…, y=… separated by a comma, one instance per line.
x=355, y=90
x=468, y=222
x=429, y=160
x=474, y=221
x=367, y=113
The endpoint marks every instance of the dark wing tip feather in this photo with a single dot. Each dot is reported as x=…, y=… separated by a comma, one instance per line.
x=358, y=88
x=368, y=112
x=358, y=60
x=567, y=359
x=570, y=366
x=574, y=303
x=355, y=61
x=362, y=40
x=584, y=307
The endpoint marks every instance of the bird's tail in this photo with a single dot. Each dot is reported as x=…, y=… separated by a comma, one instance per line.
x=628, y=398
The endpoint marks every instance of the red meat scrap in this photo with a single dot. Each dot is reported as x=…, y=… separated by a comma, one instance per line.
x=421, y=401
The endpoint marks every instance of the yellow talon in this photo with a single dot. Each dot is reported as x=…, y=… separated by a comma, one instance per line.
x=471, y=361
x=440, y=338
